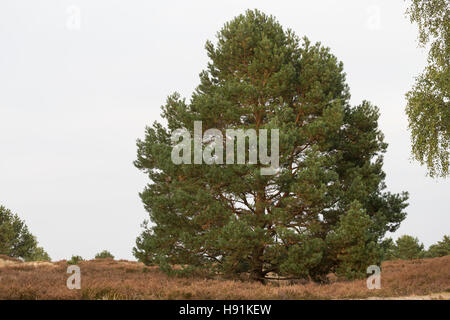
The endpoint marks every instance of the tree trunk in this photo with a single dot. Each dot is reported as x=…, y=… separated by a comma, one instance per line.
x=257, y=272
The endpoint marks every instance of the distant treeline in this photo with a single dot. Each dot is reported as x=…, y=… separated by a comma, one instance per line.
x=16, y=241
x=408, y=247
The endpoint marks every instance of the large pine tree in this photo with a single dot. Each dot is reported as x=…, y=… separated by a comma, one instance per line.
x=231, y=219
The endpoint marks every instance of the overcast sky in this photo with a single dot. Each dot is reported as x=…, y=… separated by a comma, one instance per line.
x=75, y=94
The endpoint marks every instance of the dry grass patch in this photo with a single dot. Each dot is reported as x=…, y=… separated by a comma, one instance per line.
x=109, y=279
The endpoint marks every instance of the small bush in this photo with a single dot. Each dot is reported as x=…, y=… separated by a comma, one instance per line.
x=104, y=255
x=75, y=260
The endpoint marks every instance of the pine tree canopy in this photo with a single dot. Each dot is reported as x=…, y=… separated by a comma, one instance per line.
x=408, y=247
x=16, y=240
x=326, y=208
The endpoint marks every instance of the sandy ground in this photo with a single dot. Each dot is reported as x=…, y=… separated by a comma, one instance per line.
x=434, y=296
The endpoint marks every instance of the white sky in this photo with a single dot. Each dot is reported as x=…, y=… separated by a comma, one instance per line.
x=74, y=101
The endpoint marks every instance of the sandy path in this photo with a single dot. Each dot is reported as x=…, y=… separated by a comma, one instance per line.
x=433, y=296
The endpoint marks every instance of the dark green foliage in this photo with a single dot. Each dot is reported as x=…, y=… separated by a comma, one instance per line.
x=407, y=248
x=428, y=107
x=388, y=249
x=355, y=244
x=38, y=254
x=16, y=240
x=230, y=219
x=440, y=249
x=104, y=254
x=75, y=260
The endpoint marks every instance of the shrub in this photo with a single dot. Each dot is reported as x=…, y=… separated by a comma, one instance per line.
x=104, y=255
x=75, y=260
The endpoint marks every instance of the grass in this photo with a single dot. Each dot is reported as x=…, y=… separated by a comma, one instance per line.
x=111, y=279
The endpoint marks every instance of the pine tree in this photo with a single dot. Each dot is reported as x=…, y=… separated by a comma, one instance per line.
x=439, y=249
x=38, y=254
x=388, y=247
x=355, y=245
x=16, y=240
x=230, y=219
x=408, y=247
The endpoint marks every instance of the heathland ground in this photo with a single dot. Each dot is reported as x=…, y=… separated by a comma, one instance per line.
x=112, y=279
